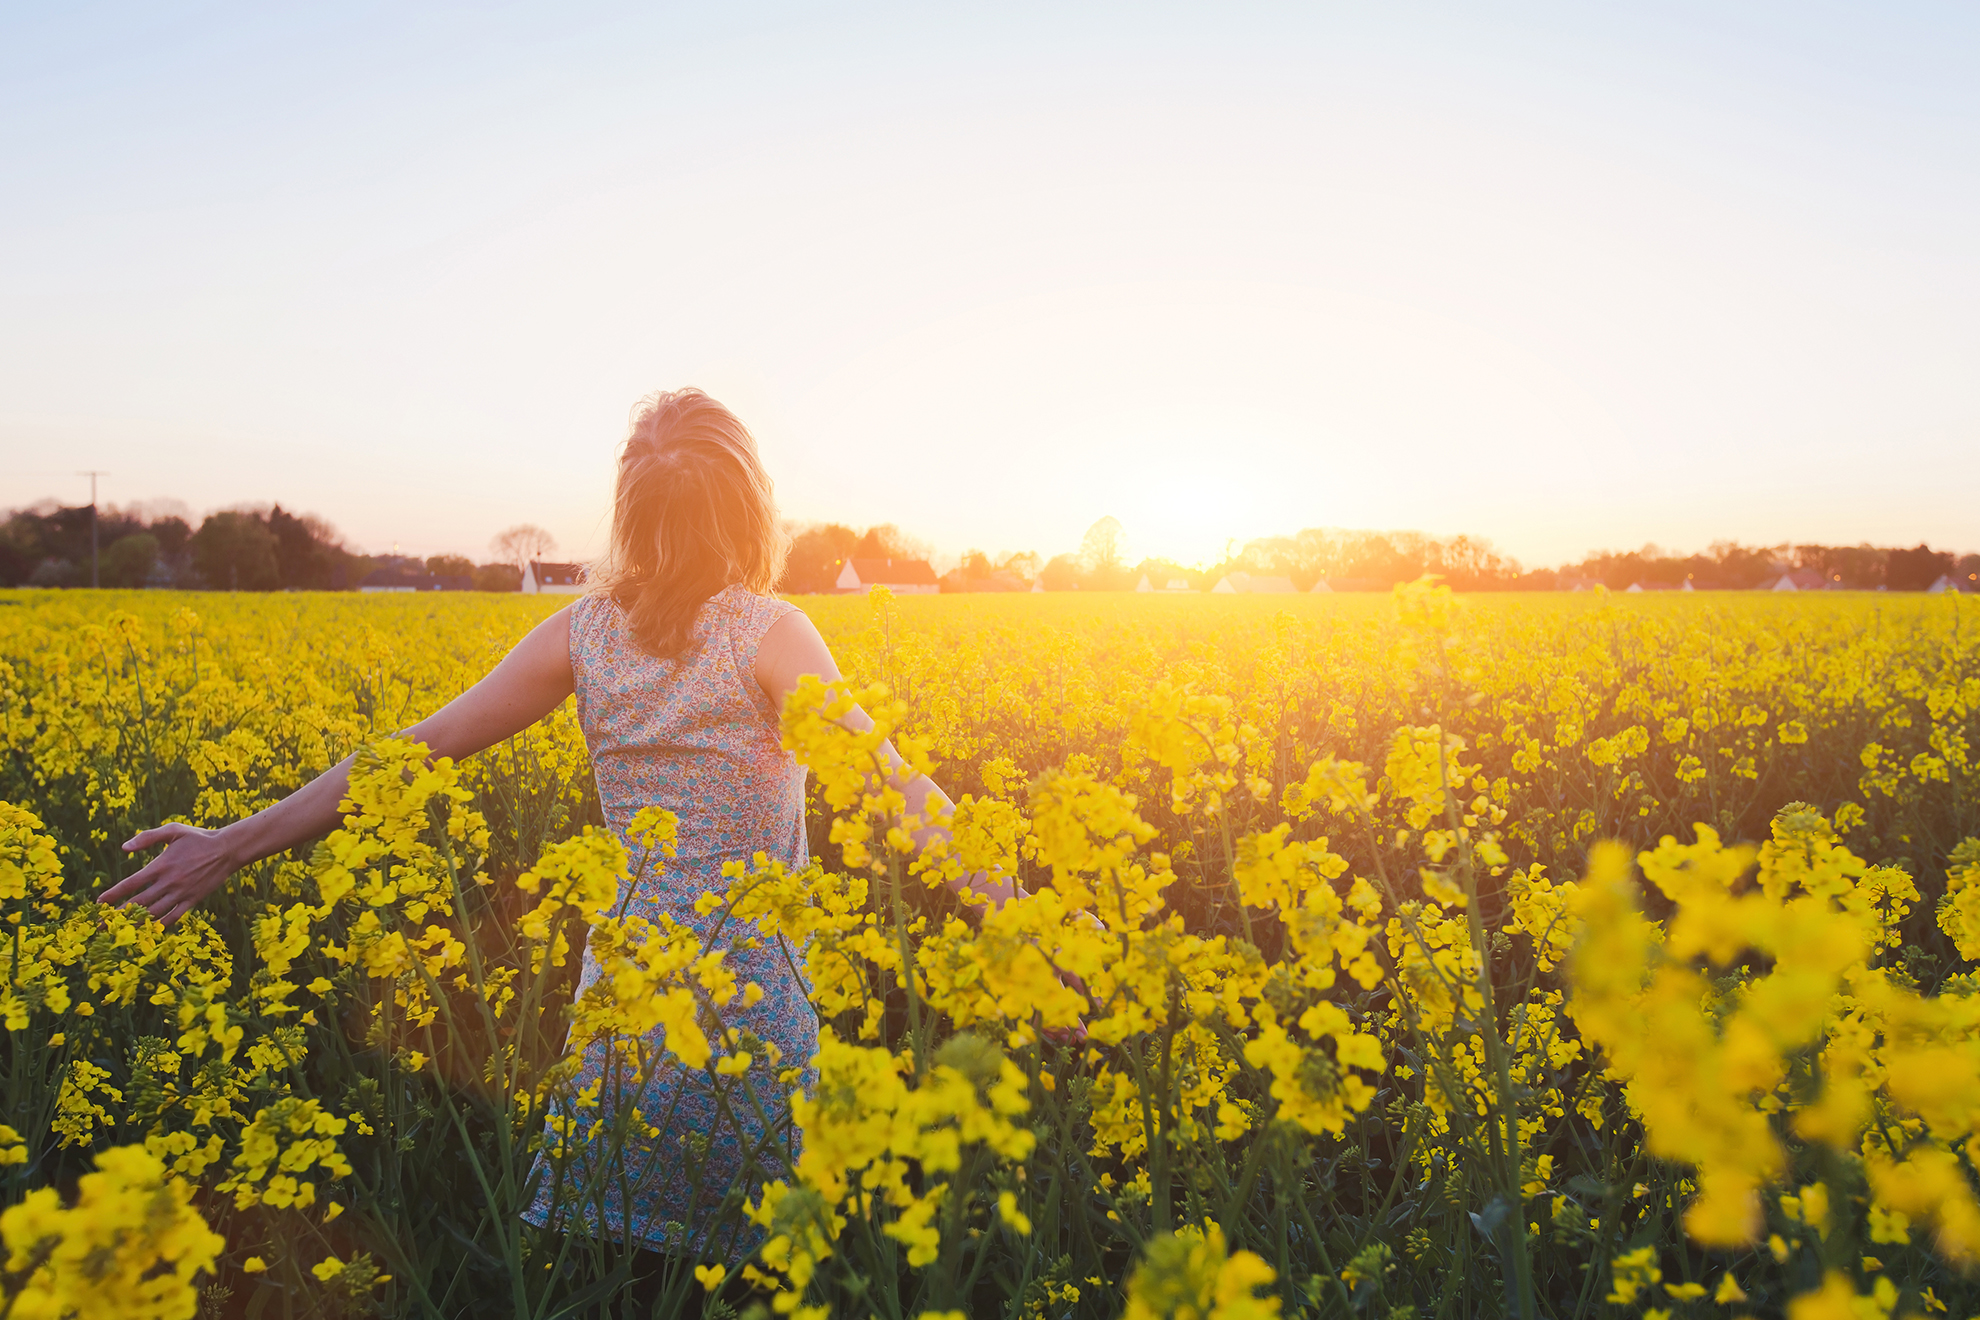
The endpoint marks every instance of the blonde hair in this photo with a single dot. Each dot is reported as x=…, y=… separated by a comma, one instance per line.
x=692, y=514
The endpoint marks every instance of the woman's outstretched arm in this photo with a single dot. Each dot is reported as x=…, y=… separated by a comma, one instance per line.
x=792, y=649
x=529, y=683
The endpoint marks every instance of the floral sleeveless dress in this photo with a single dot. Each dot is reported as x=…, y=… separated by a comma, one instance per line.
x=694, y=734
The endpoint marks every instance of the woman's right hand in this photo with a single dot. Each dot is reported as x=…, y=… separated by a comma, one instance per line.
x=532, y=680
x=194, y=864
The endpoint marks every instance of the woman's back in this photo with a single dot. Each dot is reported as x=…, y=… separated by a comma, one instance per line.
x=694, y=734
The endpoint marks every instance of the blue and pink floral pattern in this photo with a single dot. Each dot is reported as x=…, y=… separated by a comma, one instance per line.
x=694, y=734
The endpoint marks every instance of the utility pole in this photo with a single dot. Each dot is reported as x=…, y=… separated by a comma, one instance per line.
x=94, y=580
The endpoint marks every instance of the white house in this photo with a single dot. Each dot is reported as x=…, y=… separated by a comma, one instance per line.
x=1801, y=579
x=1250, y=585
x=1320, y=587
x=1144, y=584
x=553, y=579
x=1947, y=582
x=903, y=577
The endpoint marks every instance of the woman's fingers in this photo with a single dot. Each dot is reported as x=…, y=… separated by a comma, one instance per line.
x=166, y=897
x=133, y=884
x=162, y=879
x=156, y=835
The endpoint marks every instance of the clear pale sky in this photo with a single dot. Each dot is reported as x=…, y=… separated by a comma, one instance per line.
x=1566, y=276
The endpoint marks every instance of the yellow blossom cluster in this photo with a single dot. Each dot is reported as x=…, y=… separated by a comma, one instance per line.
x=130, y=1245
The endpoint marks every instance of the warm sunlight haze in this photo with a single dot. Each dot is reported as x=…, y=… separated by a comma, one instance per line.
x=1568, y=279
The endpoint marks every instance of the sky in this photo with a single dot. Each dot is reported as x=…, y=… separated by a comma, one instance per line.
x=1568, y=277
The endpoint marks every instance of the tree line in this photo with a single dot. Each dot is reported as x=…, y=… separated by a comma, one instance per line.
x=1354, y=559
x=1728, y=565
x=271, y=548
x=242, y=549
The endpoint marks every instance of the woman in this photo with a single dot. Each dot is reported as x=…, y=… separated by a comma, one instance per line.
x=680, y=660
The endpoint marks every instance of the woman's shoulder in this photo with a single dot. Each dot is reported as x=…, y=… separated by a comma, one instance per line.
x=595, y=620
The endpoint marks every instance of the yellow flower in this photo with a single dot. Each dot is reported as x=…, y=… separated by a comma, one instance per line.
x=1837, y=1299
x=1191, y=1275
x=1632, y=1272
x=131, y=1243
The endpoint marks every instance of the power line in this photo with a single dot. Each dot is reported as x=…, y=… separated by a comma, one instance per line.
x=93, y=474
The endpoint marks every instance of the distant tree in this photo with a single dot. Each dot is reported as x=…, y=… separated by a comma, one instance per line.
x=1061, y=573
x=818, y=552
x=172, y=532
x=1968, y=568
x=1023, y=565
x=1858, y=567
x=235, y=551
x=113, y=523
x=522, y=543
x=129, y=560
x=886, y=541
x=1101, y=552
x=1394, y=557
x=307, y=549
x=1620, y=569
x=1740, y=567
x=20, y=548
x=1917, y=569
x=65, y=534
x=973, y=571
x=450, y=566
x=1470, y=563
x=498, y=577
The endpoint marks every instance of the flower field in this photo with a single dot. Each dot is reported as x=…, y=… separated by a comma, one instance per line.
x=1420, y=956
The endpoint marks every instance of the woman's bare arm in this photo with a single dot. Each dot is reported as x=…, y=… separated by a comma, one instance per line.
x=790, y=650
x=529, y=683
